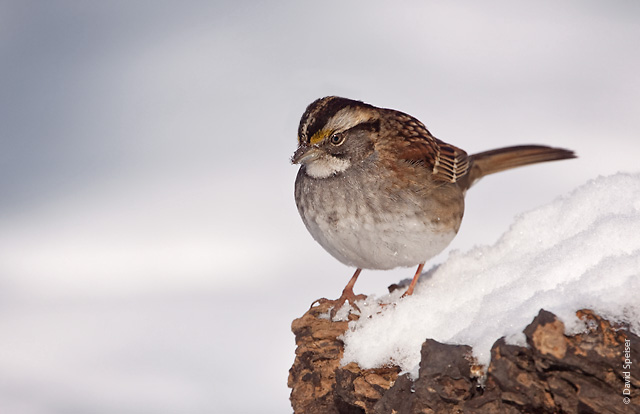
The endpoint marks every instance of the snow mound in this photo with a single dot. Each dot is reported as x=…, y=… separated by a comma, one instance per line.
x=580, y=251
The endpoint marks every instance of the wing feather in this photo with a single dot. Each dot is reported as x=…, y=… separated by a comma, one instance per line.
x=416, y=145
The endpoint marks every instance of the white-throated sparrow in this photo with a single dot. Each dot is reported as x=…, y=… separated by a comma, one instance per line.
x=378, y=191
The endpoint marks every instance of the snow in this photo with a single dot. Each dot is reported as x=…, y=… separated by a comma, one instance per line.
x=580, y=251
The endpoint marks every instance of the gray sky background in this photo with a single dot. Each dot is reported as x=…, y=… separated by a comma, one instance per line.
x=151, y=256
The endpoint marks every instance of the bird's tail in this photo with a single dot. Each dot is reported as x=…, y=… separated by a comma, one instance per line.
x=489, y=162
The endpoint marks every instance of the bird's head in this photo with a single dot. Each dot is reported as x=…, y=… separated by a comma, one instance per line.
x=334, y=134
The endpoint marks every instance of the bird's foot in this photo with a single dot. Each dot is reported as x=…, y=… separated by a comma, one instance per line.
x=347, y=296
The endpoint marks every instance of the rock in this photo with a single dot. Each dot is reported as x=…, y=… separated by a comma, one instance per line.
x=556, y=373
x=319, y=384
x=313, y=375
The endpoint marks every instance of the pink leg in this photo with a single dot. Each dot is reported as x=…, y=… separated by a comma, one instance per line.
x=412, y=285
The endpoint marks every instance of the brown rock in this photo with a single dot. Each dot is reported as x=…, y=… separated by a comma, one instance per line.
x=318, y=383
x=444, y=381
x=556, y=373
x=318, y=353
x=363, y=388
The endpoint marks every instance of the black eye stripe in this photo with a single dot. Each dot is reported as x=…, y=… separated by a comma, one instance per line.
x=373, y=125
x=338, y=138
x=320, y=111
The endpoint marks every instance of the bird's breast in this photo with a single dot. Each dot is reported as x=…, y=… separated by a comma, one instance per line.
x=365, y=220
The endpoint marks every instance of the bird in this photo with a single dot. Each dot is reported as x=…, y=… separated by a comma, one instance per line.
x=378, y=191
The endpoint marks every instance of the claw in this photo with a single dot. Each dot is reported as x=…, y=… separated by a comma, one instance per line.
x=347, y=296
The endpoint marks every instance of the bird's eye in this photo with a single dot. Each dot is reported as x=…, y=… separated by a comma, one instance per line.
x=336, y=139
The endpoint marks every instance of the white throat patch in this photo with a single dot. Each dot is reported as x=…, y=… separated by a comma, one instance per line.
x=326, y=166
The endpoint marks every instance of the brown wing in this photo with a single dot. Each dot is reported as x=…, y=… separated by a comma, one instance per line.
x=450, y=162
x=415, y=144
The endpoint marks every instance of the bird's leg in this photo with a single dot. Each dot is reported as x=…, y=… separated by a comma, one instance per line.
x=412, y=285
x=348, y=295
x=347, y=292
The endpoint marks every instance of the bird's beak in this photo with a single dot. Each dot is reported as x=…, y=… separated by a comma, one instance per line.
x=305, y=153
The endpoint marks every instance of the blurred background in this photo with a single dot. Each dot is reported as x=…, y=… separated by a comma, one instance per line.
x=151, y=255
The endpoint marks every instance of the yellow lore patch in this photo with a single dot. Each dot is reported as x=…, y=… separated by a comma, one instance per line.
x=319, y=136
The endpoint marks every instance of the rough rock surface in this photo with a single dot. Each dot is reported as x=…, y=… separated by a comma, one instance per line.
x=556, y=373
x=319, y=384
